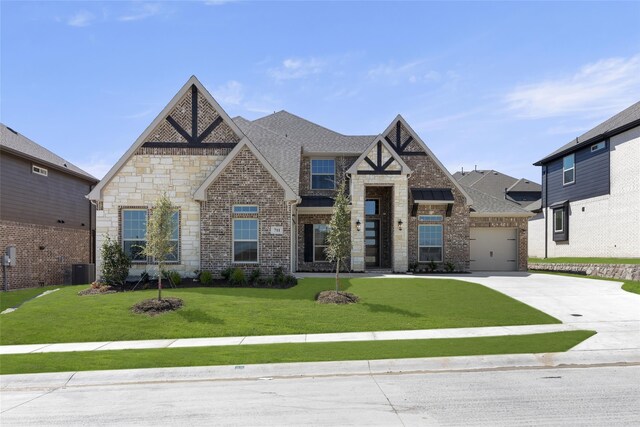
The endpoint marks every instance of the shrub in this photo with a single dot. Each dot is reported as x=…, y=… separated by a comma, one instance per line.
x=255, y=276
x=115, y=263
x=432, y=266
x=237, y=277
x=449, y=267
x=174, y=277
x=290, y=280
x=413, y=267
x=226, y=273
x=278, y=275
x=206, y=278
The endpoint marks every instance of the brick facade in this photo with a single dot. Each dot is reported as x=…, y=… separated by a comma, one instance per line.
x=44, y=254
x=311, y=266
x=245, y=181
x=520, y=223
x=342, y=164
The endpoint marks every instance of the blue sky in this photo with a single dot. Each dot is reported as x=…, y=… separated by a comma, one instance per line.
x=497, y=85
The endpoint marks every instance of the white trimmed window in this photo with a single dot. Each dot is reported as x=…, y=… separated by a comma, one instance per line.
x=558, y=220
x=134, y=235
x=323, y=174
x=320, y=243
x=569, y=169
x=430, y=242
x=597, y=147
x=243, y=209
x=245, y=240
x=39, y=170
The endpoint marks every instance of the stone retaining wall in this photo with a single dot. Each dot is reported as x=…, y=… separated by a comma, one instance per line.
x=611, y=271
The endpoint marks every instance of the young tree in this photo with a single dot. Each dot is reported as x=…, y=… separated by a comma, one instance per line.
x=339, y=237
x=159, y=229
x=115, y=263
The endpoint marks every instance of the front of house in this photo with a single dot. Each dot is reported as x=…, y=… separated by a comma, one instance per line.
x=259, y=194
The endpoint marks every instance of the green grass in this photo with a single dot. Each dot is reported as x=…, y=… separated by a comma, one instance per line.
x=13, y=298
x=281, y=353
x=585, y=260
x=386, y=304
x=632, y=286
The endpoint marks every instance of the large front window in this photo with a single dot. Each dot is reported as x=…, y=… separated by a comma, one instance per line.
x=430, y=242
x=134, y=235
x=245, y=240
x=320, y=243
x=323, y=173
x=558, y=220
x=568, y=169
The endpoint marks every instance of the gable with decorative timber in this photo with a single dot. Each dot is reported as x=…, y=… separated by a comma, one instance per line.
x=401, y=140
x=193, y=122
x=380, y=161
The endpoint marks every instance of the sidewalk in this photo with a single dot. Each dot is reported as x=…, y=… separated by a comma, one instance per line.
x=283, y=339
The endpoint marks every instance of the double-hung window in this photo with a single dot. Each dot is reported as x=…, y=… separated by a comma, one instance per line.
x=323, y=174
x=558, y=220
x=320, y=243
x=569, y=169
x=134, y=235
x=245, y=240
x=430, y=242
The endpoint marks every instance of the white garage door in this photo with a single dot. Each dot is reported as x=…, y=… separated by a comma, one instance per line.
x=493, y=249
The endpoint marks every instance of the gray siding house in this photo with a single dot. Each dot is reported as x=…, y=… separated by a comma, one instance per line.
x=591, y=193
x=259, y=194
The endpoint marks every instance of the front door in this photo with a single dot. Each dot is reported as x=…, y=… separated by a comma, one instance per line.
x=372, y=243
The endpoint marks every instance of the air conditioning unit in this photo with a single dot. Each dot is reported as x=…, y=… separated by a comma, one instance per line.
x=82, y=274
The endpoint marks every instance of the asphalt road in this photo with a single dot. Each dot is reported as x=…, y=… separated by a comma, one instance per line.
x=568, y=396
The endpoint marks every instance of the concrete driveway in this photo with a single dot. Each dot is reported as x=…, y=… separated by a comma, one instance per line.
x=599, y=305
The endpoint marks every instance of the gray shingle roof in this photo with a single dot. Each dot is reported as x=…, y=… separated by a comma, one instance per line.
x=314, y=138
x=282, y=153
x=610, y=126
x=485, y=203
x=21, y=145
x=525, y=185
x=469, y=178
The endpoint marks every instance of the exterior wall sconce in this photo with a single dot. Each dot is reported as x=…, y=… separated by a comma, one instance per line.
x=400, y=224
x=358, y=224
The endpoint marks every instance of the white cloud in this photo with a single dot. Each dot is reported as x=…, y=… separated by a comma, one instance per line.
x=231, y=93
x=98, y=165
x=82, y=18
x=296, y=68
x=141, y=11
x=412, y=72
x=600, y=88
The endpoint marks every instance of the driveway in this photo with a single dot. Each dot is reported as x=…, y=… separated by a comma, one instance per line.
x=599, y=305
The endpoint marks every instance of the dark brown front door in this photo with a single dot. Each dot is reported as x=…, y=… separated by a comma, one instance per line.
x=372, y=243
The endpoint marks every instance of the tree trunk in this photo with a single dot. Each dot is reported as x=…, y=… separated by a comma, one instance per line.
x=159, y=285
x=338, y=276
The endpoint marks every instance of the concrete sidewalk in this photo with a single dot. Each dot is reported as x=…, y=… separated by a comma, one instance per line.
x=283, y=339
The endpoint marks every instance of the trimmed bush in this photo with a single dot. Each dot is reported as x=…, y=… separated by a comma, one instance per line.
x=174, y=277
x=237, y=277
x=115, y=263
x=226, y=273
x=206, y=278
x=255, y=276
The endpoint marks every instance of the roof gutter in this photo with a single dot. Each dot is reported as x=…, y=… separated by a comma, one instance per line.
x=591, y=140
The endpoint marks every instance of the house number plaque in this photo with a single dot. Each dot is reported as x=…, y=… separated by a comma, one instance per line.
x=276, y=229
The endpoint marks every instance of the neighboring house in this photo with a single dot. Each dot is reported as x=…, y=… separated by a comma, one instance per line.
x=521, y=191
x=591, y=193
x=259, y=194
x=43, y=212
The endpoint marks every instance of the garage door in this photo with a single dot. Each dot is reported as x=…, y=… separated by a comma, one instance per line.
x=493, y=249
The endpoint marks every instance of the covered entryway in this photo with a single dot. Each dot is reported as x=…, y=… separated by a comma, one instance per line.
x=493, y=249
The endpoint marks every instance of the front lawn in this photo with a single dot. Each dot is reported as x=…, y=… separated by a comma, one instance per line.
x=14, y=298
x=585, y=260
x=281, y=353
x=385, y=304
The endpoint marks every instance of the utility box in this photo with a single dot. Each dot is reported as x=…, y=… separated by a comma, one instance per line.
x=9, y=260
x=82, y=274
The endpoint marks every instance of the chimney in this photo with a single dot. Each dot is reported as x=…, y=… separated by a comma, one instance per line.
x=475, y=168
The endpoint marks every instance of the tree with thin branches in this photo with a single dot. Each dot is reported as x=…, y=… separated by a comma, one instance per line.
x=339, y=235
x=159, y=230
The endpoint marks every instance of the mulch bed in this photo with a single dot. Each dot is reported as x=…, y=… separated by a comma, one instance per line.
x=100, y=290
x=333, y=297
x=155, y=306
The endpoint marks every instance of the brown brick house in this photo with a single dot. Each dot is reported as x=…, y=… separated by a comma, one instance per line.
x=259, y=194
x=44, y=213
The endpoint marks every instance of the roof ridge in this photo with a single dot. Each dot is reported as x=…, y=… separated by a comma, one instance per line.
x=315, y=124
x=510, y=202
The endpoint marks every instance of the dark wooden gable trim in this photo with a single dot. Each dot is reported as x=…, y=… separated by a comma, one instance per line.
x=379, y=168
x=400, y=146
x=193, y=139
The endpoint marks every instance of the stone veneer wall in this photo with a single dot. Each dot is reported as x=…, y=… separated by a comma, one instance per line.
x=342, y=164
x=521, y=223
x=312, y=266
x=427, y=174
x=611, y=271
x=245, y=181
x=140, y=182
x=49, y=266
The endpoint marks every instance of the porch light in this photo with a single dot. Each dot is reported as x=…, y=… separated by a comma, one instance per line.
x=358, y=224
x=400, y=224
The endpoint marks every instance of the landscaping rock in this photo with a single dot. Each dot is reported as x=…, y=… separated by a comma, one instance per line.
x=333, y=297
x=154, y=306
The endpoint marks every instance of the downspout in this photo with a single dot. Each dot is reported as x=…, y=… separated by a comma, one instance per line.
x=545, y=177
x=294, y=255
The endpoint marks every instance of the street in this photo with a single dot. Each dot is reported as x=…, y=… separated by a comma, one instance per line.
x=560, y=396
